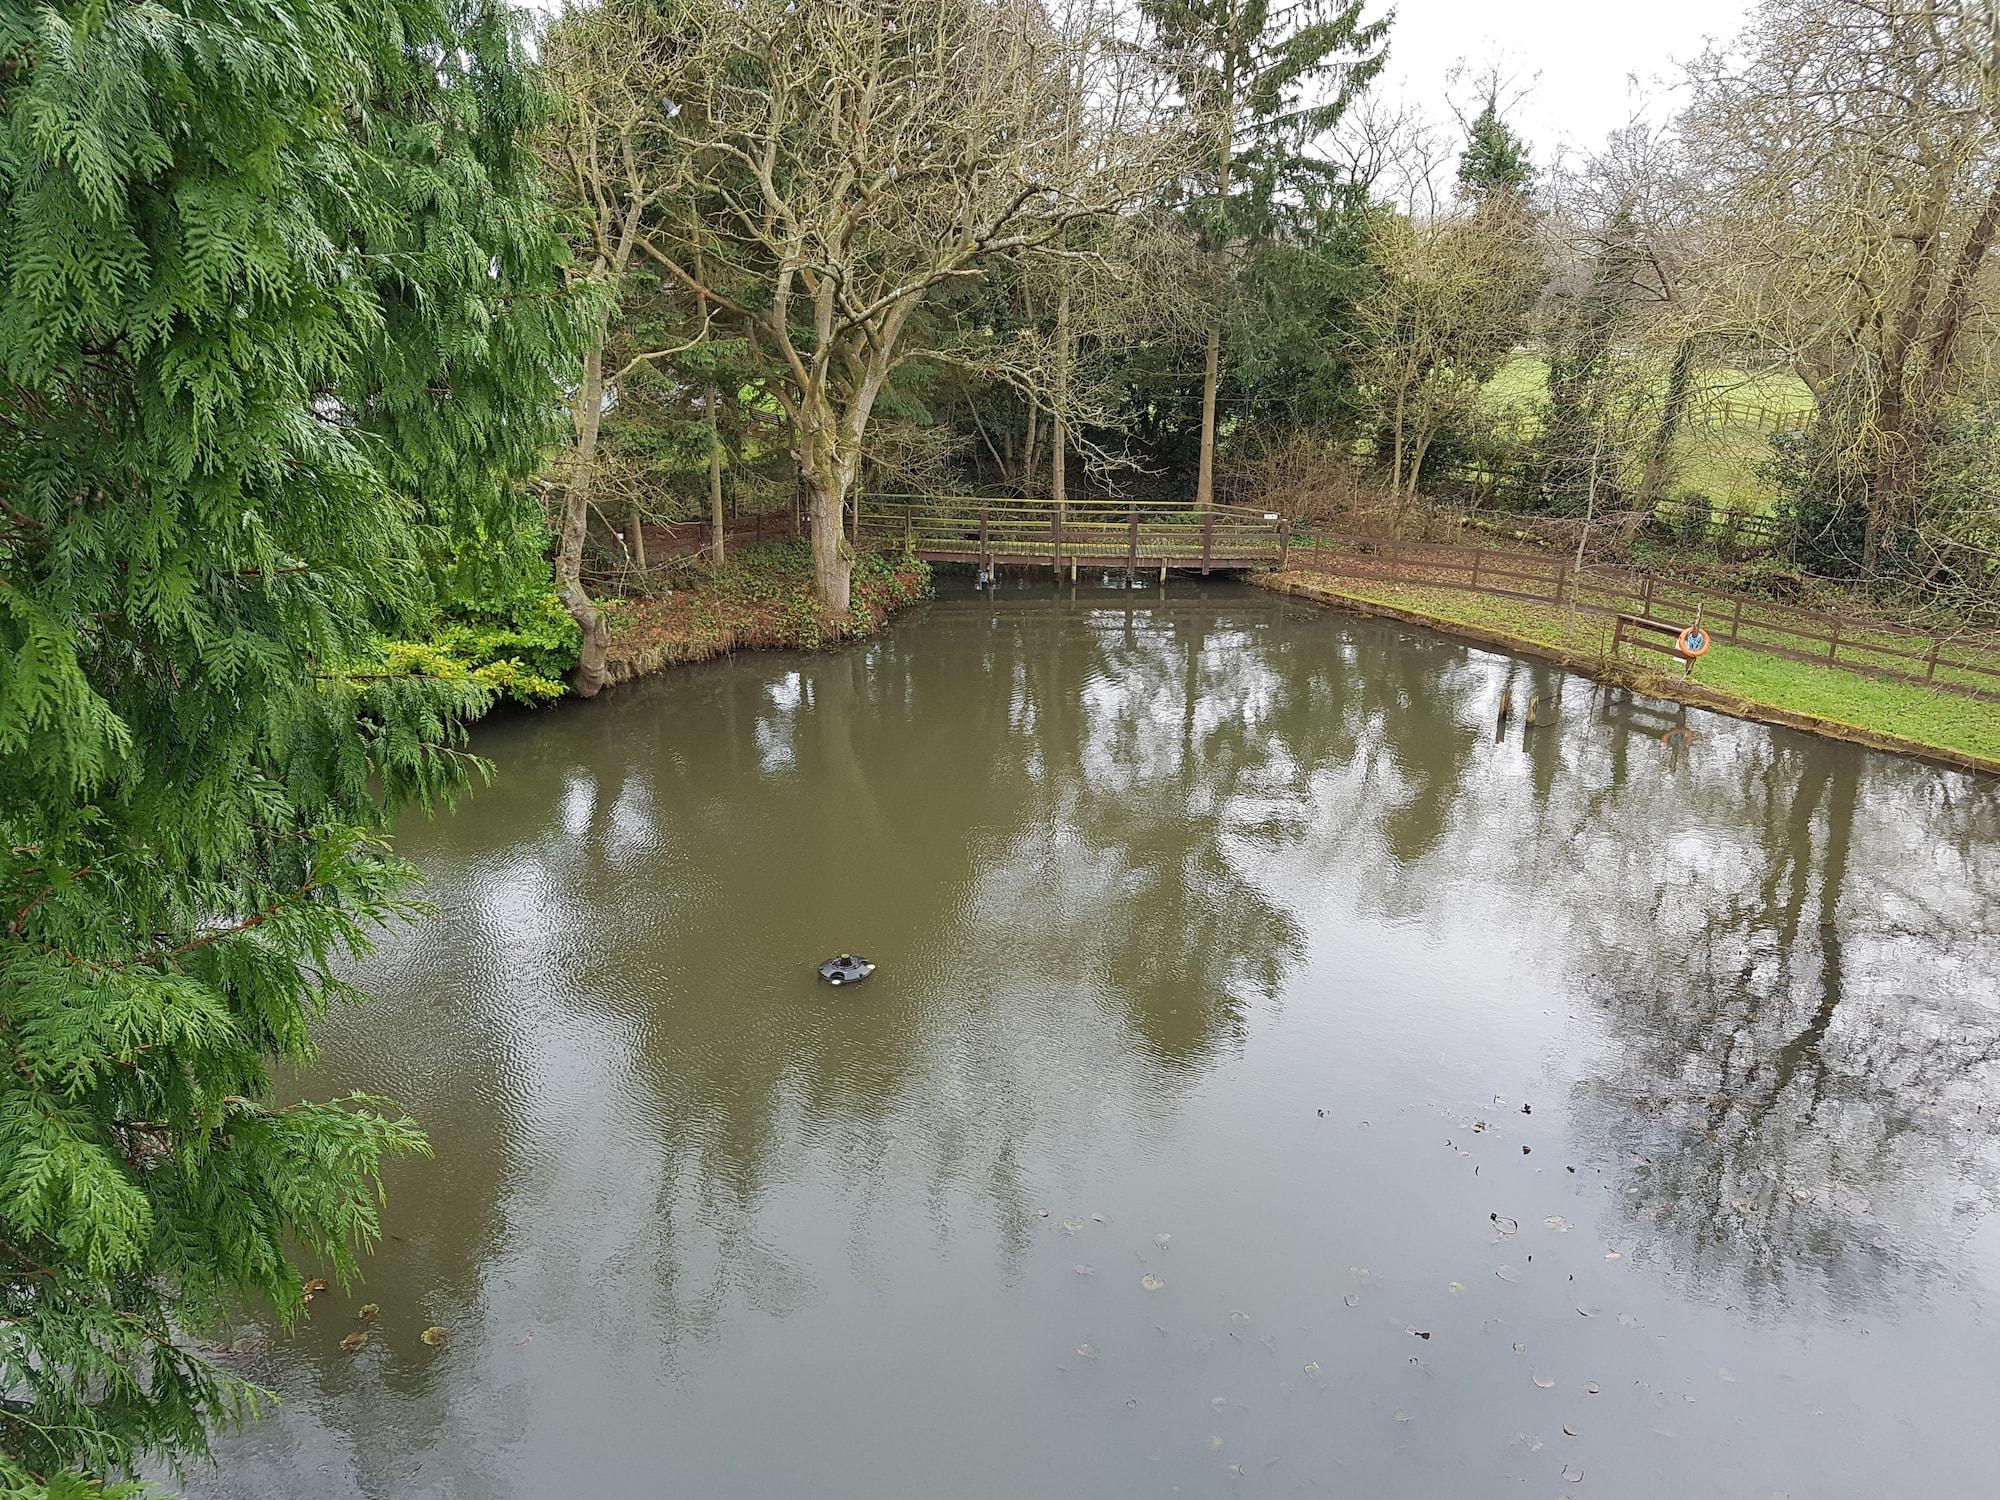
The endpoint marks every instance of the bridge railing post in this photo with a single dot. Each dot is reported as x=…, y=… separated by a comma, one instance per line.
x=1055, y=535
x=1132, y=538
x=1207, y=539
x=985, y=548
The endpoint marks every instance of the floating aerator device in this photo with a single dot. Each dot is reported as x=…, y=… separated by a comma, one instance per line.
x=846, y=969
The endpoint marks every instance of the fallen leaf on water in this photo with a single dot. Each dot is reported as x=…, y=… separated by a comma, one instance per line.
x=353, y=1341
x=1312, y=1367
x=1351, y=1300
x=368, y=1310
x=1218, y=1402
x=1569, y=1431
x=1215, y=1445
x=526, y=1338
x=1071, y=1226
x=1151, y=1282
x=1574, y=1476
x=1504, y=1224
x=1456, y=1288
x=1131, y=1403
x=1508, y=1273
x=1613, y=1255
x=1401, y=1415
x=1588, y=1312
x=1556, y=1222
x=1591, y=1387
x=1087, y=1351
x=1097, y=1218
x=1741, y=1205
x=433, y=1335
x=313, y=1287
x=1546, y=1382
x=1084, y=1270
x=1626, y=1320
x=1240, y=1319
x=1163, y=1240
x=1520, y=1348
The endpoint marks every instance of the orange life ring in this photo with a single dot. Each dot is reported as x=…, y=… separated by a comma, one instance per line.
x=1692, y=642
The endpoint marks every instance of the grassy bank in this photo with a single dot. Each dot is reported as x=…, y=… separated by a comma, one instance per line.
x=1746, y=684
x=762, y=597
x=1720, y=447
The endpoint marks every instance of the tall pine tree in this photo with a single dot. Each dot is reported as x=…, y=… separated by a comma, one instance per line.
x=1261, y=80
x=279, y=332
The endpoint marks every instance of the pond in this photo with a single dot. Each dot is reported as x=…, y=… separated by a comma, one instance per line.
x=1280, y=1077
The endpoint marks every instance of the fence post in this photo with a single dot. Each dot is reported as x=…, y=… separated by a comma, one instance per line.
x=1930, y=663
x=1646, y=598
x=1207, y=539
x=1562, y=581
x=1735, y=621
x=1833, y=642
x=1284, y=543
x=1317, y=539
x=1475, y=567
x=909, y=541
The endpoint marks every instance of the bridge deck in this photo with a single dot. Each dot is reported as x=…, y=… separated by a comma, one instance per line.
x=1136, y=534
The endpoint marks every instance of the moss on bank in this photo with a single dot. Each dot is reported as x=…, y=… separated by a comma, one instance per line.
x=1943, y=727
x=761, y=598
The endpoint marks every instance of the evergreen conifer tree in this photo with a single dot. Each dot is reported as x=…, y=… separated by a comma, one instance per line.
x=280, y=329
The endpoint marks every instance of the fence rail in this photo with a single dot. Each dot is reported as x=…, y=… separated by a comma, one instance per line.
x=1134, y=534
x=1968, y=665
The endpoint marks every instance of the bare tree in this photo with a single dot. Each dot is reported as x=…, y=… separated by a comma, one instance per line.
x=850, y=157
x=612, y=160
x=1855, y=150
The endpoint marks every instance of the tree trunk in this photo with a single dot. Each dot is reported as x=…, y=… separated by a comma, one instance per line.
x=827, y=480
x=638, y=538
x=1660, y=455
x=1204, y=484
x=715, y=526
x=589, y=415
x=1211, y=366
x=1059, y=438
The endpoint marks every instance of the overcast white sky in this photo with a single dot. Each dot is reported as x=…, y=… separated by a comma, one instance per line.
x=1583, y=51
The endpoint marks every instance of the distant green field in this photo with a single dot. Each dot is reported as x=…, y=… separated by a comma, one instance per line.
x=1720, y=447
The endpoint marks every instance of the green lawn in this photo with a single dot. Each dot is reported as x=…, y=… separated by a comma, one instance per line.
x=1944, y=721
x=1719, y=448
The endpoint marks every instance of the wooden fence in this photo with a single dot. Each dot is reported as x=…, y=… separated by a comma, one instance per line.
x=1968, y=664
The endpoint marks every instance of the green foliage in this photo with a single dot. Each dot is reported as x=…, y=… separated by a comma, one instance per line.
x=1268, y=78
x=1495, y=160
x=279, y=332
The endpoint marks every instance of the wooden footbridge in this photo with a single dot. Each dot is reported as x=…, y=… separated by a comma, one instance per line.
x=1136, y=535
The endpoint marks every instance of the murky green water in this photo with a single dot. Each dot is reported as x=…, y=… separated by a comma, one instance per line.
x=1202, y=915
